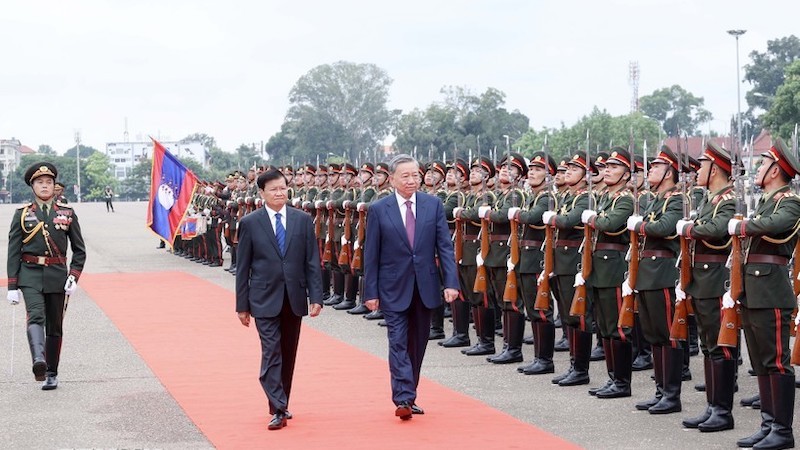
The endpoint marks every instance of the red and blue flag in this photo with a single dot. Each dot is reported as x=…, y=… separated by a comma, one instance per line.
x=172, y=186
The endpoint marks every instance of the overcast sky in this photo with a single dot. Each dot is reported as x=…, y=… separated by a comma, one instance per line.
x=225, y=68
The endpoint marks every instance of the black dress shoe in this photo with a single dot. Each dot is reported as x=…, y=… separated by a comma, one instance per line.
x=642, y=363
x=382, y=323
x=374, y=315
x=748, y=401
x=404, y=411
x=598, y=354
x=434, y=335
x=358, y=310
x=458, y=340
x=416, y=409
x=278, y=421
x=39, y=369
x=334, y=299
x=288, y=414
x=345, y=305
x=527, y=340
x=562, y=345
x=50, y=383
x=479, y=349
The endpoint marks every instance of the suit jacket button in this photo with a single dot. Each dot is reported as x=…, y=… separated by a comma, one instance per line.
x=605, y=256
x=705, y=266
x=757, y=273
x=526, y=247
x=653, y=257
x=501, y=244
x=565, y=248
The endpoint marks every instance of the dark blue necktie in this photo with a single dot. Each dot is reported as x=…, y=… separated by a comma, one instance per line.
x=280, y=233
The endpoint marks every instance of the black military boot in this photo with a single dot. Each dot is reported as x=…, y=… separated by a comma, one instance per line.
x=621, y=353
x=350, y=291
x=460, y=337
x=338, y=290
x=659, y=378
x=694, y=346
x=326, y=285
x=562, y=345
x=582, y=351
x=598, y=351
x=767, y=413
x=723, y=381
x=484, y=327
x=36, y=343
x=708, y=372
x=544, y=340
x=609, y=366
x=52, y=354
x=686, y=374
x=515, y=333
x=643, y=352
x=530, y=340
x=672, y=367
x=503, y=334
x=232, y=267
x=749, y=401
x=780, y=434
x=569, y=334
x=359, y=310
x=437, y=324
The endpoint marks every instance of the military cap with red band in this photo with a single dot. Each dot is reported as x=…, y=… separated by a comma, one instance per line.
x=562, y=165
x=486, y=164
x=783, y=156
x=517, y=161
x=579, y=159
x=462, y=167
x=619, y=155
x=382, y=168
x=368, y=167
x=539, y=159
x=349, y=168
x=40, y=169
x=717, y=155
x=437, y=166
x=667, y=156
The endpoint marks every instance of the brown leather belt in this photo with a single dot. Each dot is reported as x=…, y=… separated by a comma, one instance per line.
x=657, y=254
x=566, y=243
x=470, y=237
x=768, y=259
x=710, y=258
x=536, y=244
x=43, y=260
x=610, y=246
x=498, y=237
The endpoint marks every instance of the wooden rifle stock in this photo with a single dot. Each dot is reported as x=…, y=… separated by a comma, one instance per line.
x=327, y=255
x=358, y=253
x=796, y=287
x=729, y=331
x=511, y=293
x=542, y=302
x=626, y=318
x=680, y=325
x=347, y=248
x=578, y=306
x=480, y=278
x=458, y=237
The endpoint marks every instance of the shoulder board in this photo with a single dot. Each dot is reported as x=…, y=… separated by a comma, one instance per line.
x=722, y=198
x=27, y=205
x=786, y=195
x=64, y=205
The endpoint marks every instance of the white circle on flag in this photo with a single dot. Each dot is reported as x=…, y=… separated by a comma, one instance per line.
x=166, y=197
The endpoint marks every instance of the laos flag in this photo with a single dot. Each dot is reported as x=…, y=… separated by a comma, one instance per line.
x=172, y=186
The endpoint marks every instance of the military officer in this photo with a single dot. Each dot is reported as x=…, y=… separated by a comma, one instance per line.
x=768, y=298
x=41, y=232
x=366, y=193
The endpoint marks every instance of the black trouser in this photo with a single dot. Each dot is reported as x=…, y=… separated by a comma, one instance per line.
x=45, y=309
x=767, y=334
x=528, y=288
x=109, y=205
x=608, y=304
x=707, y=314
x=279, y=336
x=566, y=291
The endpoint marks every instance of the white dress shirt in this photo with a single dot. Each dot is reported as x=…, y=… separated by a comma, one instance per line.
x=272, y=216
x=401, y=203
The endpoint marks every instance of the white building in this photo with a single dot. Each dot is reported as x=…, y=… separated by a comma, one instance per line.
x=125, y=155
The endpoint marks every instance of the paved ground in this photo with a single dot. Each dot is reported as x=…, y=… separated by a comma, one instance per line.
x=108, y=397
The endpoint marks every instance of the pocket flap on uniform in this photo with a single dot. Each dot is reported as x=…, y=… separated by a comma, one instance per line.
x=758, y=270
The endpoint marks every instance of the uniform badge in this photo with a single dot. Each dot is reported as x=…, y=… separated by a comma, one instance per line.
x=62, y=221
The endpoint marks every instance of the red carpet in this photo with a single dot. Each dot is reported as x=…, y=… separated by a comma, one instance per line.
x=186, y=330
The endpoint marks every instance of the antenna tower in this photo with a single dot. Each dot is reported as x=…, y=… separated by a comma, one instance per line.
x=633, y=81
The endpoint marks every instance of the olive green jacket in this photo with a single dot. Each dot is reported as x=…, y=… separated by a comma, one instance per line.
x=710, y=237
x=658, y=230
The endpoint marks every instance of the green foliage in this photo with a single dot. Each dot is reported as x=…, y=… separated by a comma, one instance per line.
x=45, y=150
x=137, y=185
x=335, y=108
x=86, y=151
x=785, y=111
x=766, y=72
x=98, y=171
x=676, y=108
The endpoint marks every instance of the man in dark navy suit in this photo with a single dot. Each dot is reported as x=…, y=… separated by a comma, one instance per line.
x=405, y=233
x=277, y=272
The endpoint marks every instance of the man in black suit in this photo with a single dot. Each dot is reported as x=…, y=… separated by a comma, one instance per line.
x=277, y=270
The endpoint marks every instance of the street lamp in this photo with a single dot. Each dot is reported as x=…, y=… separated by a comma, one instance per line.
x=736, y=34
x=78, y=162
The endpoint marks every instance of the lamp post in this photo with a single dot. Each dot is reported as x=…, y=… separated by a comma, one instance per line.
x=78, y=163
x=736, y=34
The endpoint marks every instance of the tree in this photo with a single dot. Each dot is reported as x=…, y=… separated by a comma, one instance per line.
x=766, y=72
x=46, y=150
x=675, y=108
x=208, y=141
x=86, y=151
x=98, y=170
x=785, y=110
x=340, y=107
x=136, y=186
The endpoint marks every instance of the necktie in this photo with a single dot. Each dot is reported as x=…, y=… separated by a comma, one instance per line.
x=280, y=233
x=44, y=211
x=411, y=223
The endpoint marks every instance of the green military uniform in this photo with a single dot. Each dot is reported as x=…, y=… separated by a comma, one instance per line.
x=656, y=285
x=40, y=235
x=768, y=299
x=381, y=191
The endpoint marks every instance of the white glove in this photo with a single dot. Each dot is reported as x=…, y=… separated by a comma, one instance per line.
x=306, y=204
x=579, y=281
x=479, y=259
x=727, y=300
x=457, y=212
x=361, y=206
x=626, y=288
x=679, y=294
x=541, y=278
x=295, y=202
x=356, y=245
x=329, y=204
x=548, y=216
x=512, y=213
x=13, y=296
x=344, y=240
x=206, y=212
x=483, y=211
x=633, y=221
x=681, y=225
x=509, y=265
x=587, y=215
x=70, y=285
x=318, y=204
x=347, y=204
x=733, y=226
x=797, y=318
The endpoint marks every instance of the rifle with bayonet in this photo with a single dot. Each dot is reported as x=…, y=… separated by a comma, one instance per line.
x=731, y=319
x=542, y=302
x=626, y=317
x=578, y=306
x=680, y=324
x=511, y=292
x=458, y=235
x=795, y=360
x=480, y=279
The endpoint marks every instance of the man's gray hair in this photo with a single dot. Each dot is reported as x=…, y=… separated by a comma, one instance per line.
x=401, y=159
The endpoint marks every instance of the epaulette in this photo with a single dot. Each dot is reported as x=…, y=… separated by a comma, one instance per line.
x=722, y=198
x=27, y=205
x=64, y=205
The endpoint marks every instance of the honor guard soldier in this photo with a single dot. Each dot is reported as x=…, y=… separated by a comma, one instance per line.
x=531, y=261
x=61, y=198
x=366, y=192
x=768, y=299
x=483, y=314
x=642, y=352
x=458, y=183
x=384, y=189
x=343, y=215
x=320, y=213
x=656, y=281
x=434, y=177
x=612, y=240
x=711, y=242
x=40, y=235
x=567, y=221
